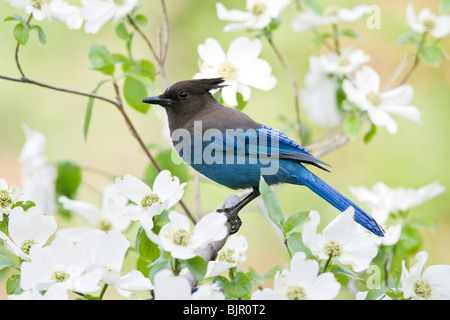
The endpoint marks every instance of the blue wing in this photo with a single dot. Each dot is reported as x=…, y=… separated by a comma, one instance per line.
x=289, y=149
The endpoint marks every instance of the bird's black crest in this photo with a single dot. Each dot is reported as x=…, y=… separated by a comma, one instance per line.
x=211, y=83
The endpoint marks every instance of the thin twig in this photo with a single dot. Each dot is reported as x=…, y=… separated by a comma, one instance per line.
x=294, y=86
x=163, y=42
x=49, y=86
x=401, y=67
x=342, y=141
x=416, y=59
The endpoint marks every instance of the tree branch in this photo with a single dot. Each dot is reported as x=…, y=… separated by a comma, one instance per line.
x=294, y=86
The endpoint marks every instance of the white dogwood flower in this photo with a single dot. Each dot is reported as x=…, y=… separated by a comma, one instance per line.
x=240, y=67
x=167, y=191
x=107, y=252
x=343, y=239
x=57, y=9
x=177, y=237
x=38, y=174
x=431, y=283
x=365, y=93
x=233, y=252
x=301, y=282
x=106, y=218
x=258, y=15
x=426, y=21
x=318, y=97
x=27, y=229
x=8, y=196
x=384, y=201
x=64, y=263
x=39, y=8
x=68, y=14
x=97, y=13
x=310, y=19
x=171, y=287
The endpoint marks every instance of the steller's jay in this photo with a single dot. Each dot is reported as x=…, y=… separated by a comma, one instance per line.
x=227, y=146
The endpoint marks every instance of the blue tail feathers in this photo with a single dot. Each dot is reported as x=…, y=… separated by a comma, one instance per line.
x=340, y=202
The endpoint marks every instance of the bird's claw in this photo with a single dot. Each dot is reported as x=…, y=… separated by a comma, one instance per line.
x=233, y=218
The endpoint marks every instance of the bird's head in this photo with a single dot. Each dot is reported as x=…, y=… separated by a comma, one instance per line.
x=186, y=93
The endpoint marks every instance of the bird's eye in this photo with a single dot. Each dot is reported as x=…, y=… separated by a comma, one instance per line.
x=183, y=94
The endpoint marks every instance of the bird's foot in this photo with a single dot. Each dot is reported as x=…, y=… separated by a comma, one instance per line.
x=233, y=218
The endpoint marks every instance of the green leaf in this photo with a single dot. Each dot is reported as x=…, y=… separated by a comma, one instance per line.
x=139, y=69
x=424, y=221
x=88, y=115
x=24, y=204
x=157, y=266
x=239, y=287
x=409, y=37
x=121, y=31
x=445, y=6
x=373, y=294
x=351, y=33
x=352, y=125
x=197, y=266
x=241, y=103
x=143, y=266
x=146, y=248
x=140, y=20
x=68, y=181
x=14, y=17
x=295, y=242
x=320, y=38
x=164, y=160
x=101, y=59
x=21, y=33
x=255, y=277
x=134, y=91
x=272, y=205
x=6, y=262
x=313, y=5
x=295, y=220
x=272, y=272
x=13, y=285
x=371, y=133
x=41, y=34
x=344, y=271
x=431, y=55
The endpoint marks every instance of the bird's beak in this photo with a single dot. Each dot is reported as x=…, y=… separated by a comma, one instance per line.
x=158, y=100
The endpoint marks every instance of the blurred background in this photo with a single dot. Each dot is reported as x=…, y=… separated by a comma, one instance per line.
x=416, y=156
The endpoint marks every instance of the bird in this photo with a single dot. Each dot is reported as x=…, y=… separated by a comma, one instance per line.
x=239, y=162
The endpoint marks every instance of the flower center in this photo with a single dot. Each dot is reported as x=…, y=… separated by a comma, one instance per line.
x=37, y=4
x=343, y=61
x=26, y=246
x=60, y=276
x=295, y=292
x=149, y=199
x=5, y=199
x=105, y=225
x=429, y=24
x=374, y=98
x=332, y=248
x=259, y=8
x=226, y=255
x=181, y=237
x=227, y=70
x=423, y=289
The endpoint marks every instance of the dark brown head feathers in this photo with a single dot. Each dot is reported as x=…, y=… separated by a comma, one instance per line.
x=197, y=85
